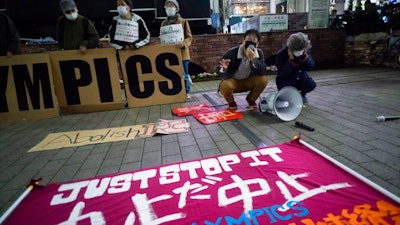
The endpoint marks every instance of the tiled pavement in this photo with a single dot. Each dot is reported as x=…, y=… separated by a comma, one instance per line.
x=342, y=109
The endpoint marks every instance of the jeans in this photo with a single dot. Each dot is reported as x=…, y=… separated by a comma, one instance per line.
x=186, y=74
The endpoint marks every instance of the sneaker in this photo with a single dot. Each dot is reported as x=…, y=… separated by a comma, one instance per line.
x=232, y=106
x=252, y=105
x=188, y=96
x=190, y=80
x=122, y=84
x=305, y=99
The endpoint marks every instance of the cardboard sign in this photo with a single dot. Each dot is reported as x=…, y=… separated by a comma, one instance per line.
x=87, y=82
x=219, y=116
x=171, y=34
x=153, y=75
x=282, y=184
x=172, y=126
x=97, y=136
x=192, y=109
x=26, y=88
x=126, y=30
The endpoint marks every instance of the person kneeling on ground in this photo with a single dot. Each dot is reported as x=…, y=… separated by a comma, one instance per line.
x=293, y=62
x=243, y=69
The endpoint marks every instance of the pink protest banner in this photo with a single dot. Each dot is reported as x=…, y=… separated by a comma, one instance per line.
x=192, y=109
x=283, y=184
x=218, y=116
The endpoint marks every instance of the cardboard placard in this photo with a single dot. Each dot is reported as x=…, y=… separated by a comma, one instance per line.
x=153, y=75
x=87, y=82
x=97, y=136
x=26, y=88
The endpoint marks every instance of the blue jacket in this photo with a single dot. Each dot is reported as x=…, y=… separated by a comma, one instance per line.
x=292, y=69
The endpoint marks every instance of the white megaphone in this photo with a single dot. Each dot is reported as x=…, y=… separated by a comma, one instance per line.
x=287, y=103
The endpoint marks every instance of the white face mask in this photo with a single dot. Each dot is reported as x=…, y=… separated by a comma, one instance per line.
x=170, y=11
x=298, y=53
x=122, y=10
x=72, y=16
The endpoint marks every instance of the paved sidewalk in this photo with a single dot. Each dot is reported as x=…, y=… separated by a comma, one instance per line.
x=342, y=109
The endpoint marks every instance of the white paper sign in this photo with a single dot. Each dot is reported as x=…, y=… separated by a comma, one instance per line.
x=171, y=34
x=127, y=31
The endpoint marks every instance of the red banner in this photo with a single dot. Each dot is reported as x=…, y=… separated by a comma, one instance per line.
x=218, y=116
x=283, y=184
x=192, y=109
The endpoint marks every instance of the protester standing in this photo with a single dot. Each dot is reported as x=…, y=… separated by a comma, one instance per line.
x=128, y=30
x=9, y=36
x=173, y=17
x=75, y=31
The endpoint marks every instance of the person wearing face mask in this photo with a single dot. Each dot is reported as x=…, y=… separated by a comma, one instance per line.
x=242, y=69
x=74, y=31
x=293, y=62
x=173, y=17
x=128, y=23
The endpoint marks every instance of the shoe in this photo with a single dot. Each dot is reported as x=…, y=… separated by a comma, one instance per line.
x=252, y=105
x=122, y=84
x=190, y=80
x=232, y=106
x=305, y=99
x=188, y=96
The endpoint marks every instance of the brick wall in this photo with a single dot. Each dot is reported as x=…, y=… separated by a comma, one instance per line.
x=328, y=46
x=358, y=48
x=357, y=52
x=331, y=48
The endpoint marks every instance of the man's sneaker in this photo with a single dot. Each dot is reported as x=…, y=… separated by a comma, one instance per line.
x=252, y=105
x=232, y=106
x=188, y=96
x=305, y=99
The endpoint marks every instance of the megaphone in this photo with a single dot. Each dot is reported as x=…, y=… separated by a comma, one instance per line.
x=287, y=103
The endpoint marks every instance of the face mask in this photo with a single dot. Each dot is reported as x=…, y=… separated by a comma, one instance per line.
x=122, y=10
x=72, y=16
x=298, y=53
x=170, y=11
x=248, y=43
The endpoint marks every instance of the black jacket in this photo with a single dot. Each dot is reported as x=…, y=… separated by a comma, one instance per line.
x=259, y=64
x=9, y=36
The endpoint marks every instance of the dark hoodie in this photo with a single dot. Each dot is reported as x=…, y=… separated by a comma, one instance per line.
x=9, y=38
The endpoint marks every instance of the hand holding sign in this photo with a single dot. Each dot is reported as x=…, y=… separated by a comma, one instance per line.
x=172, y=34
x=127, y=31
